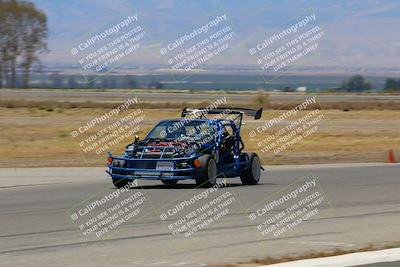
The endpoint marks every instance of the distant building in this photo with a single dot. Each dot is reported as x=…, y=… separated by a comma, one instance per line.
x=301, y=89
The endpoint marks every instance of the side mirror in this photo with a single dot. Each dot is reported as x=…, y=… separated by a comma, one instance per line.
x=136, y=139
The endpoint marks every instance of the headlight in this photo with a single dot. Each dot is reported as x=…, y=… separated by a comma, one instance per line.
x=118, y=163
x=183, y=165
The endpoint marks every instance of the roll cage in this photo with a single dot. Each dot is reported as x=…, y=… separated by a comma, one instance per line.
x=236, y=112
x=235, y=123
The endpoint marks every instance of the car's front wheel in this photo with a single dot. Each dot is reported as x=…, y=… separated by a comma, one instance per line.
x=208, y=176
x=251, y=175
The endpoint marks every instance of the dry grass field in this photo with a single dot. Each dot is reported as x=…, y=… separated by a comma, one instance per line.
x=41, y=136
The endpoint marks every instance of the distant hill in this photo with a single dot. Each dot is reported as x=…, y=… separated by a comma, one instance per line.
x=358, y=33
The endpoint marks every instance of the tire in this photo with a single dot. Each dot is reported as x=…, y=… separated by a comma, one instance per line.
x=208, y=167
x=251, y=175
x=119, y=183
x=169, y=182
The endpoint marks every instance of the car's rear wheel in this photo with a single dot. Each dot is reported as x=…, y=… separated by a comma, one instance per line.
x=119, y=183
x=251, y=175
x=208, y=167
x=169, y=182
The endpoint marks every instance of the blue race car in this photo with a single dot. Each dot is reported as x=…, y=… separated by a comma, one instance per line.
x=195, y=147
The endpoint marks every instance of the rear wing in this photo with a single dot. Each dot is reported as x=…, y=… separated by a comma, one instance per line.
x=204, y=111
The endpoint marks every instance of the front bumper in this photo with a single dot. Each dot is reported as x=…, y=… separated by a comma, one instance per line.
x=146, y=169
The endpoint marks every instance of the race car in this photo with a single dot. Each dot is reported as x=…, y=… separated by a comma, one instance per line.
x=204, y=145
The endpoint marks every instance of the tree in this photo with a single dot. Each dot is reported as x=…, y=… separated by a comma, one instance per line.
x=356, y=83
x=23, y=33
x=392, y=85
x=159, y=85
x=33, y=39
x=155, y=85
x=130, y=81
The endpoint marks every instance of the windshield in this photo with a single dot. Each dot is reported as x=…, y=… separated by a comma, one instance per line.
x=182, y=129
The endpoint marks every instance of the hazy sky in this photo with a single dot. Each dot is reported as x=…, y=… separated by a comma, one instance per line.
x=356, y=33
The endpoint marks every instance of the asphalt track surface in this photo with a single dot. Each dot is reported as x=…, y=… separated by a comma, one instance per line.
x=362, y=207
x=105, y=96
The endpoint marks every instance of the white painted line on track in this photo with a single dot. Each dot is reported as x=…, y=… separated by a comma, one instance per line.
x=158, y=263
x=329, y=166
x=352, y=259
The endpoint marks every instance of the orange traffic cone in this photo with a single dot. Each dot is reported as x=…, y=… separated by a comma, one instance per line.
x=391, y=156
